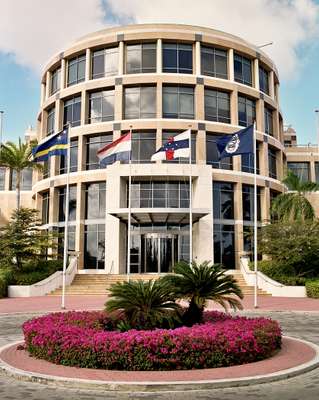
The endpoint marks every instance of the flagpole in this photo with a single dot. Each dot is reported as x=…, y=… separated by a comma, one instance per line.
x=66, y=220
x=255, y=219
x=129, y=214
x=190, y=201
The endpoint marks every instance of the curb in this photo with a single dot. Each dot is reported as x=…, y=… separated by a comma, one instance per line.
x=163, y=386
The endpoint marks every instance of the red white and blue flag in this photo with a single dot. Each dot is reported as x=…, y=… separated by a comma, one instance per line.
x=119, y=150
x=177, y=146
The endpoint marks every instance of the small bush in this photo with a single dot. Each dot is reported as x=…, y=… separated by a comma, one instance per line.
x=282, y=273
x=80, y=339
x=312, y=288
x=36, y=271
x=5, y=280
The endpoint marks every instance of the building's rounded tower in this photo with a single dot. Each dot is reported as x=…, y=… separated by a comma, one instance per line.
x=159, y=80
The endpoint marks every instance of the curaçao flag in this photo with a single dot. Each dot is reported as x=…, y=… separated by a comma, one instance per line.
x=119, y=150
x=54, y=145
x=177, y=146
x=240, y=142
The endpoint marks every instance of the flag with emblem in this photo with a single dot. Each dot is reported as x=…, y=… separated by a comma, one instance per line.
x=53, y=145
x=240, y=142
x=176, y=146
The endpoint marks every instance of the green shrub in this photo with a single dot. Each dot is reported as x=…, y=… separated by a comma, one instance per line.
x=5, y=280
x=282, y=273
x=312, y=288
x=34, y=272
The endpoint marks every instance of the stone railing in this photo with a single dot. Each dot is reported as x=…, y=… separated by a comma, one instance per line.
x=47, y=285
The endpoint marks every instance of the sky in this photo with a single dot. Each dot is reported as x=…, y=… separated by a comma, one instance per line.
x=32, y=31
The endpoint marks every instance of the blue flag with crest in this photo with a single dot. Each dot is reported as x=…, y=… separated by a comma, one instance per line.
x=240, y=142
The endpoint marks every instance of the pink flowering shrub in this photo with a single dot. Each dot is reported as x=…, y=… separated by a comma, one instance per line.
x=80, y=339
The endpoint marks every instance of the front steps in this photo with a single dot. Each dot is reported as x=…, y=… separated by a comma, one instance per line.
x=97, y=284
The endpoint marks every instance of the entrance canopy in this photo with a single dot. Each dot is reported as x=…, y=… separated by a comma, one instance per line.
x=159, y=216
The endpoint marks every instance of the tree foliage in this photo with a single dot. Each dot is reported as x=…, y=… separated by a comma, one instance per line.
x=22, y=240
x=292, y=245
x=199, y=283
x=293, y=205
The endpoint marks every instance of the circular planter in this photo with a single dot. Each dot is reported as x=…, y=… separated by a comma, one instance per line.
x=80, y=339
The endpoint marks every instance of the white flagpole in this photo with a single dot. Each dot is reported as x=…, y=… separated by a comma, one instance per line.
x=255, y=218
x=129, y=215
x=66, y=221
x=190, y=201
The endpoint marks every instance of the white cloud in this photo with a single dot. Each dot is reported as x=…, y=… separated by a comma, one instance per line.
x=290, y=24
x=34, y=30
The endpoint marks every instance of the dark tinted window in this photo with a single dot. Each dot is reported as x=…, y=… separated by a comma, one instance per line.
x=95, y=200
x=246, y=111
x=247, y=162
x=45, y=208
x=217, y=106
x=178, y=58
x=105, y=63
x=248, y=203
x=272, y=162
x=94, y=246
x=214, y=62
x=2, y=178
x=143, y=146
x=140, y=102
x=140, y=58
x=212, y=154
x=242, y=69
x=223, y=200
x=269, y=126
x=301, y=169
x=72, y=112
x=73, y=158
x=55, y=81
x=263, y=80
x=178, y=102
x=101, y=106
x=62, y=203
x=224, y=245
x=76, y=70
x=50, y=121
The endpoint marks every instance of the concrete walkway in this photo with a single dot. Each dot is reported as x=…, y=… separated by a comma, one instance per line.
x=52, y=303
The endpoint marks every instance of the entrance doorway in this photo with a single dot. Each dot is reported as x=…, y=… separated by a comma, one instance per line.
x=154, y=253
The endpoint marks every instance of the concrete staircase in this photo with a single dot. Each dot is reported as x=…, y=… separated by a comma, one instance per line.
x=97, y=284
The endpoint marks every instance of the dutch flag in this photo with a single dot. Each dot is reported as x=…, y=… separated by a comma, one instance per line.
x=119, y=150
x=177, y=146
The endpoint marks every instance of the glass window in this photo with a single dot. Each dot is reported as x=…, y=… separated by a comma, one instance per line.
x=217, y=106
x=224, y=245
x=26, y=179
x=159, y=194
x=178, y=102
x=212, y=153
x=72, y=203
x=50, y=121
x=223, y=200
x=73, y=158
x=140, y=58
x=317, y=171
x=94, y=246
x=105, y=62
x=140, y=102
x=76, y=70
x=143, y=146
x=55, y=81
x=246, y=111
x=101, y=106
x=214, y=62
x=46, y=169
x=93, y=144
x=263, y=80
x=71, y=239
x=72, y=112
x=301, y=169
x=95, y=200
x=248, y=203
x=247, y=161
x=166, y=136
x=272, y=162
x=178, y=58
x=2, y=178
x=45, y=207
x=269, y=126
x=242, y=69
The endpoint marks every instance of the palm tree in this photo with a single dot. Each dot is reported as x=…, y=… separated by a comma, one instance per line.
x=202, y=282
x=146, y=304
x=293, y=205
x=18, y=157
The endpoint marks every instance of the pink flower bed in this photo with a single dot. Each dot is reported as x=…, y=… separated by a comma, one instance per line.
x=79, y=339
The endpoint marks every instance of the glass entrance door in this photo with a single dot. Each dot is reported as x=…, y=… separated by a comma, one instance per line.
x=159, y=252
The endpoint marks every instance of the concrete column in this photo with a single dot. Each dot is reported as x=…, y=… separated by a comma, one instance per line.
x=159, y=56
x=280, y=165
x=271, y=85
x=88, y=63
x=47, y=85
x=118, y=102
x=265, y=204
x=201, y=147
x=63, y=73
x=121, y=58
x=263, y=159
x=58, y=116
x=237, y=163
x=276, y=125
x=256, y=73
x=234, y=107
x=260, y=115
x=159, y=100
x=312, y=171
x=54, y=205
x=200, y=102
x=230, y=65
x=197, y=59
x=277, y=92
x=43, y=90
x=7, y=179
x=84, y=107
x=81, y=152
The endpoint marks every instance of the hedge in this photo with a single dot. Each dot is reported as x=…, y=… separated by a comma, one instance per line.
x=5, y=279
x=80, y=339
x=312, y=288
